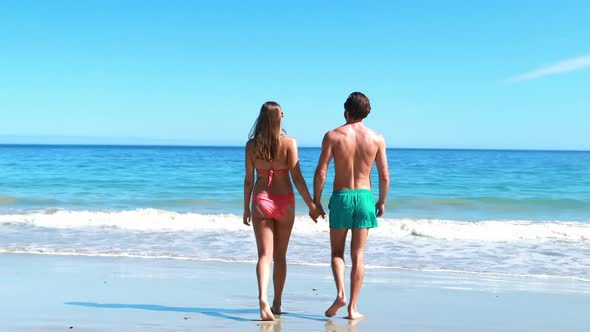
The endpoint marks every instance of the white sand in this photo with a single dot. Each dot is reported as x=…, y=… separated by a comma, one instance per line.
x=54, y=293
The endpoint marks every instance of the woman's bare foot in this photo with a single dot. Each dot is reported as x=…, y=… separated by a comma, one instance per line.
x=333, y=309
x=353, y=314
x=265, y=312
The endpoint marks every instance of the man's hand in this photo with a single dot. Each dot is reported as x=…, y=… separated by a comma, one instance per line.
x=247, y=217
x=321, y=211
x=316, y=211
x=379, y=208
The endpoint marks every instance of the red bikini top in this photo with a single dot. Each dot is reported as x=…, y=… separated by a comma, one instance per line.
x=270, y=173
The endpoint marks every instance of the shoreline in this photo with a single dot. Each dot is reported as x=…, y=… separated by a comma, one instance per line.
x=475, y=274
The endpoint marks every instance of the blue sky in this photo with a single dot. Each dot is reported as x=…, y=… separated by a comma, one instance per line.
x=440, y=74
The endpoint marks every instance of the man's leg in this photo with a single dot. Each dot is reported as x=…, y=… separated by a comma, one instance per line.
x=338, y=242
x=357, y=274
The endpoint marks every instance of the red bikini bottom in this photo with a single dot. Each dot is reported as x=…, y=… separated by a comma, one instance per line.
x=274, y=205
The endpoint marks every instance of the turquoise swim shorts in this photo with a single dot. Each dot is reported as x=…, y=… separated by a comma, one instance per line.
x=354, y=208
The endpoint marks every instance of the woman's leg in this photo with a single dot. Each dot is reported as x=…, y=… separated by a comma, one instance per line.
x=263, y=231
x=282, y=234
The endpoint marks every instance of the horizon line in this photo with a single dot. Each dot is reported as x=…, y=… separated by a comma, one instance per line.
x=241, y=146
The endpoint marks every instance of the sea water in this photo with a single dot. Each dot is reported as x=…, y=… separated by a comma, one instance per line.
x=516, y=213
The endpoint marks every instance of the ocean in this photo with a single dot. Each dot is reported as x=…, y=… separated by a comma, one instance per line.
x=514, y=213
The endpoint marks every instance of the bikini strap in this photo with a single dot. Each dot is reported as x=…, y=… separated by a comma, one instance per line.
x=271, y=172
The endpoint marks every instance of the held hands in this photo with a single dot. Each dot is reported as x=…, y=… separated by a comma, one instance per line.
x=379, y=208
x=247, y=217
x=315, y=211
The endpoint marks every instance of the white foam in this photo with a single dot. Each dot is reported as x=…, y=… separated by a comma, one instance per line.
x=492, y=230
x=517, y=248
x=138, y=220
x=153, y=220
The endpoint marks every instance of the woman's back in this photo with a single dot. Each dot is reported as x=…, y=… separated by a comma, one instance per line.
x=273, y=176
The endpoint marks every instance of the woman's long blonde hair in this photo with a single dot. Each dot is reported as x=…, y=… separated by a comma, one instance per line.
x=266, y=132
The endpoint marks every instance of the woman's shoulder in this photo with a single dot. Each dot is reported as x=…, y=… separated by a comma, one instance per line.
x=288, y=140
x=250, y=145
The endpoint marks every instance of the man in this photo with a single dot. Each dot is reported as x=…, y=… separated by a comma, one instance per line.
x=355, y=148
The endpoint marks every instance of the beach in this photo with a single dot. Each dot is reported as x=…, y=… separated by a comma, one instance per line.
x=60, y=293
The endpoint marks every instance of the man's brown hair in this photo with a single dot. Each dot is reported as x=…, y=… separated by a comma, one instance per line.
x=357, y=105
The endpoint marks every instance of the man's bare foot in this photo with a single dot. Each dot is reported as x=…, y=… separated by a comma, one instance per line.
x=276, y=309
x=333, y=309
x=353, y=314
x=265, y=312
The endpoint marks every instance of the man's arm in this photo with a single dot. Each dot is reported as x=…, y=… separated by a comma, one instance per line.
x=383, y=171
x=322, y=170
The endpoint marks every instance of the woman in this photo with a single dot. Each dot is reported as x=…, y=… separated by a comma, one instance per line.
x=274, y=156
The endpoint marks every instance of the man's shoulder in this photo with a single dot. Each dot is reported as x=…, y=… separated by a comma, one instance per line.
x=333, y=135
x=376, y=136
x=369, y=130
x=338, y=131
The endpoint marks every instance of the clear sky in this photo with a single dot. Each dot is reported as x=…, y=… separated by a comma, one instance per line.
x=440, y=74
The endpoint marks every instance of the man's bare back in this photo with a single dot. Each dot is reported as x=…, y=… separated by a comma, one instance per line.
x=354, y=149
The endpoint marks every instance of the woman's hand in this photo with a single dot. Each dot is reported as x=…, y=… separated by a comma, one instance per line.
x=247, y=217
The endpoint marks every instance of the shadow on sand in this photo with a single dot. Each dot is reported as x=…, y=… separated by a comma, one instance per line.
x=213, y=312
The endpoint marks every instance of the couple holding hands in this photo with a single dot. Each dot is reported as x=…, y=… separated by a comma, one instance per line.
x=269, y=200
